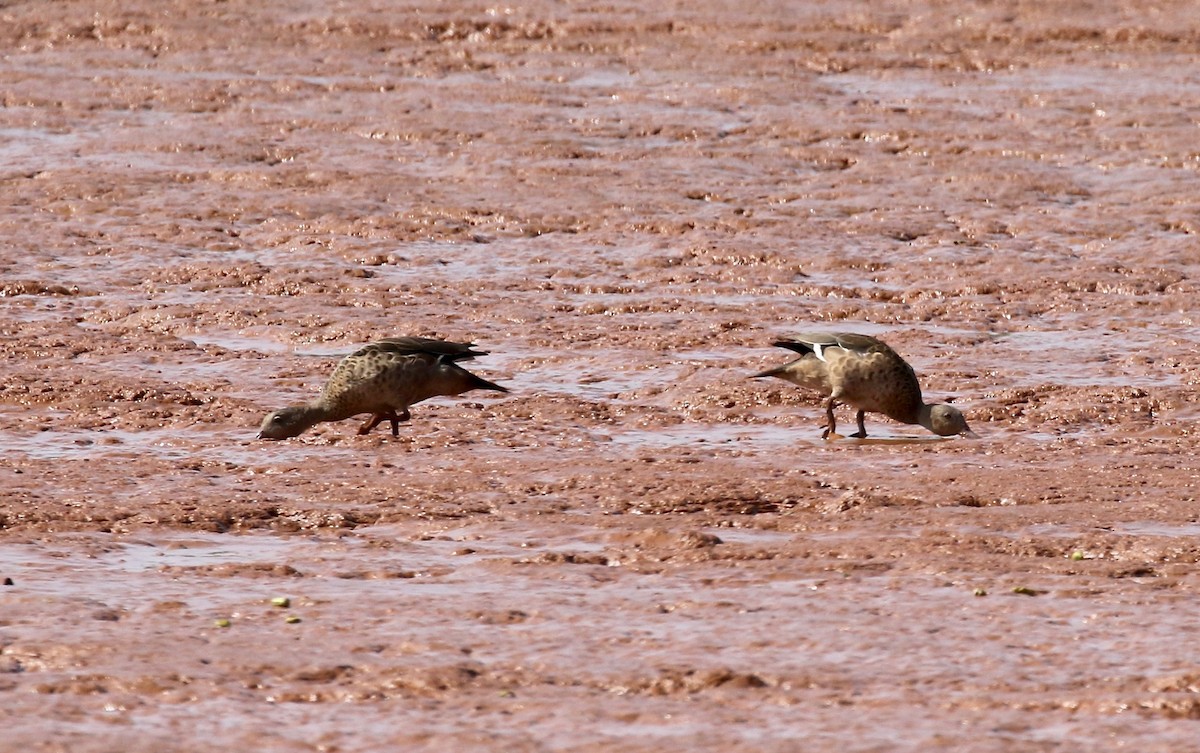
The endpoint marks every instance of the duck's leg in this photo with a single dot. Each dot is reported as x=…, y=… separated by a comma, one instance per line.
x=372, y=423
x=831, y=428
x=862, y=430
x=393, y=418
x=396, y=419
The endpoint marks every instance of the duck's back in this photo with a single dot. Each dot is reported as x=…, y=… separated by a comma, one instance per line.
x=395, y=373
x=450, y=351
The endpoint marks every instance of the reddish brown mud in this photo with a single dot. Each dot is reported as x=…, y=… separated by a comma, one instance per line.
x=203, y=204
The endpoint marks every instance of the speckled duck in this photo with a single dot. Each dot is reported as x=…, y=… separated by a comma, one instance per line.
x=383, y=379
x=866, y=374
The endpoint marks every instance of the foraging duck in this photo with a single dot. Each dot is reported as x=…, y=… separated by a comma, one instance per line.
x=864, y=373
x=383, y=379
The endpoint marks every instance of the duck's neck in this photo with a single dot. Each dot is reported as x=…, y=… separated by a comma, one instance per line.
x=925, y=416
x=311, y=414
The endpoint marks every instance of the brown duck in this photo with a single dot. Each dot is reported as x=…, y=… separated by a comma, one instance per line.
x=383, y=379
x=866, y=374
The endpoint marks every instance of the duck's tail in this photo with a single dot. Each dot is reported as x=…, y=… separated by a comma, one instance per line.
x=778, y=371
x=479, y=383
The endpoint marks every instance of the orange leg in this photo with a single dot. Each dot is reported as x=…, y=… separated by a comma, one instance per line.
x=391, y=416
x=831, y=428
x=371, y=424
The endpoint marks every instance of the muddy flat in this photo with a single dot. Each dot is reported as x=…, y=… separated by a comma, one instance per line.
x=204, y=205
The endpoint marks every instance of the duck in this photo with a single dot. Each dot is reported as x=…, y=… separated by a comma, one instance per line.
x=383, y=378
x=866, y=374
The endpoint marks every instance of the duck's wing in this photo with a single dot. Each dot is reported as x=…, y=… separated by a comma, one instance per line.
x=389, y=355
x=410, y=346
x=817, y=342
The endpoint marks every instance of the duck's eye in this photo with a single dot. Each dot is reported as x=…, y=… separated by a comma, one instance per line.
x=276, y=419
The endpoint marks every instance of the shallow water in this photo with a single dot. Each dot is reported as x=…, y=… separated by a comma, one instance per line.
x=639, y=546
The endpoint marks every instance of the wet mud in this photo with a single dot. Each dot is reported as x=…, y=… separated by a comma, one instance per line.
x=204, y=205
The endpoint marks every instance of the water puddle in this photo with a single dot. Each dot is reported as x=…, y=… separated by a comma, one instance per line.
x=201, y=551
x=750, y=536
x=1059, y=531
x=112, y=567
x=243, y=341
x=233, y=445
x=34, y=148
x=1167, y=530
x=708, y=436
x=1089, y=358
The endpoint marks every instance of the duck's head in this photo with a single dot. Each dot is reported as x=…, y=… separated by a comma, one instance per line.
x=948, y=421
x=287, y=422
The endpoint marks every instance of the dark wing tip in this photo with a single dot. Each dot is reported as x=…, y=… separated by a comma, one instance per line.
x=445, y=349
x=793, y=345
